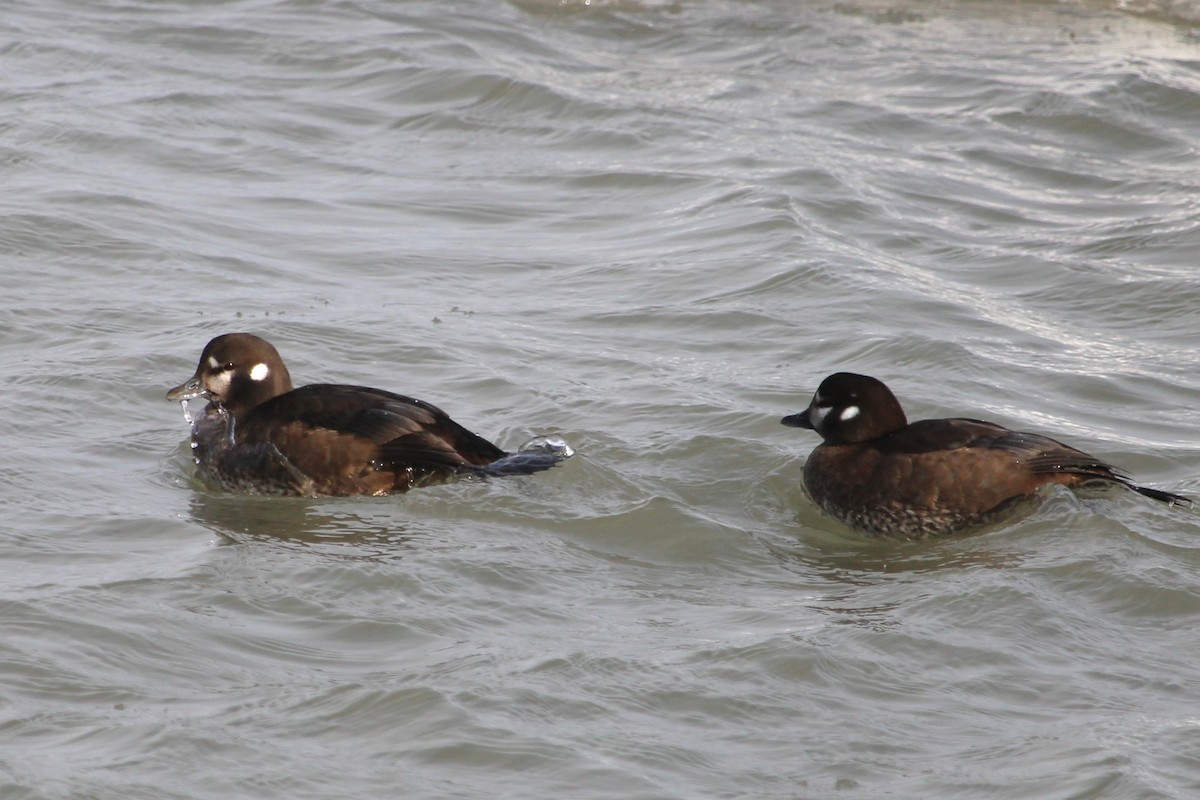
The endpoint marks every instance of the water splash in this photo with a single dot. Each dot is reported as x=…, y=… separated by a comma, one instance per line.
x=539, y=453
x=548, y=445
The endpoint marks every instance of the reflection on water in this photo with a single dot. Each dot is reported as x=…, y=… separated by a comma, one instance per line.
x=238, y=518
x=852, y=558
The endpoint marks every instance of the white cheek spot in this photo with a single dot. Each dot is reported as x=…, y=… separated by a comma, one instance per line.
x=259, y=372
x=848, y=413
x=213, y=363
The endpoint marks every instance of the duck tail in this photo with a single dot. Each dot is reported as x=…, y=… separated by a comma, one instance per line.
x=1167, y=497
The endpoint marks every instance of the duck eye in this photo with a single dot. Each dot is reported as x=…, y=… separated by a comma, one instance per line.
x=228, y=367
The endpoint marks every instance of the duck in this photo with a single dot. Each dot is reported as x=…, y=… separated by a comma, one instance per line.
x=261, y=435
x=879, y=474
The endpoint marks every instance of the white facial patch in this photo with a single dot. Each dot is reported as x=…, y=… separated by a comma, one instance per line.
x=213, y=363
x=816, y=416
x=848, y=413
x=218, y=383
x=259, y=372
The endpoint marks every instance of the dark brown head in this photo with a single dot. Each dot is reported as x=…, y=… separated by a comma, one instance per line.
x=849, y=408
x=237, y=370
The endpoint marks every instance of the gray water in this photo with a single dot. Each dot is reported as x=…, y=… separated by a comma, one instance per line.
x=651, y=228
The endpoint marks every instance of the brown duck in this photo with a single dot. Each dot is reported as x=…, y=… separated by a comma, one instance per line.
x=877, y=473
x=259, y=434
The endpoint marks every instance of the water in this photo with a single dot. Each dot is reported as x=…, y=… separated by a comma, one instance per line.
x=650, y=228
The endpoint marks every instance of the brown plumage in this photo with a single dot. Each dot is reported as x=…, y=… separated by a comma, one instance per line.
x=879, y=474
x=261, y=435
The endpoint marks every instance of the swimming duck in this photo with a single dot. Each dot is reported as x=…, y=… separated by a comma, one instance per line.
x=880, y=474
x=259, y=434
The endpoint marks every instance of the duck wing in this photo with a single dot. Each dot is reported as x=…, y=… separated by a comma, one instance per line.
x=1039, y=454
x=400, y=431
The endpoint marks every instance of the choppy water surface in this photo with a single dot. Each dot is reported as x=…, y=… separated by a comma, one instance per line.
x=651, y=228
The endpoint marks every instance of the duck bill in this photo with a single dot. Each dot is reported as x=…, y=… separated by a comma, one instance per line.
x=188, y=389
x=800, y=420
